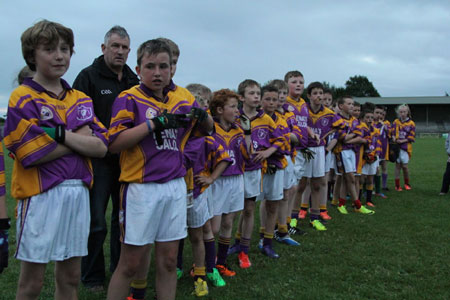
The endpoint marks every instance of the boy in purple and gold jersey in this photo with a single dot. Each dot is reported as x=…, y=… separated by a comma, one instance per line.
x=4, y=220
x=292, y=135
x=149, y=128
x=322, y=122
x=228, y=190
x=404, y=134
x=51, y=130
x=208, y=160
x=345, y=156
x=265, y=141
x=273, y=178
x=296, y=104
x=383, y=126
x=371, y=151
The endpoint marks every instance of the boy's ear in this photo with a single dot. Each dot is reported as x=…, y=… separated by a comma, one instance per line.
x=220, y=110
x=138, y=70
x=241, y=98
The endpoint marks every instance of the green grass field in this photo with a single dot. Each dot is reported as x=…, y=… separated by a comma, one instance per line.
x=401, y=252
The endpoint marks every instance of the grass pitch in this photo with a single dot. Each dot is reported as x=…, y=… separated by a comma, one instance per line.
x=401, y=252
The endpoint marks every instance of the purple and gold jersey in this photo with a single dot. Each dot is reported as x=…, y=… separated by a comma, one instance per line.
x=374, y=145
x=385, y=131
x=289, y=117
x=2, y=171
x=349, y=126
x=149, y=161
x=31, y=107
x=405, y=130
x=265, y=134
x=321, y=123
x=203, y=155
x=279, y=157
x=301, y=113
x=233, y=142
x=360, y=130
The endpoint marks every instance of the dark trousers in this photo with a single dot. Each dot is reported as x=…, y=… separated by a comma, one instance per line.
x=106, y=185
x=446, y=179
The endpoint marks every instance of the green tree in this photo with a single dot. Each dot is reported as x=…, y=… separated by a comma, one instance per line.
x=360, y=86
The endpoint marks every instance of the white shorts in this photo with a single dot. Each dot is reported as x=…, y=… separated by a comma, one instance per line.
x=329, y=161
x=198, y=214
x=228, y=194
x=299, y=165
x=348, y=158
x=289, y=178
x=403, y=157
x=54, y=225
x=370, y=169
x=153, y=212
x=315, y=168
x=252, y=183
x=272, y=187
x=210, y=201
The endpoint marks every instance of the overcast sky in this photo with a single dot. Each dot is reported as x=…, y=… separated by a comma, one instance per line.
x=403, y=47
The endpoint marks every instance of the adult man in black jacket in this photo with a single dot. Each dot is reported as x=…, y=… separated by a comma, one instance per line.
x=103, y=81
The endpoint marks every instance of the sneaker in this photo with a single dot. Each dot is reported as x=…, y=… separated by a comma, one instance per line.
x=325, y=216
x=235, y=248
x=407, y=187
x=381, y=195
x=225, y=271
x=293, y=223
x=363, y=210
x=130, y=298
x=370, y=204
x=335, y=202
x=244, y=262
x=442, y=194
x=296, y=231
x=260, y=244
x=343, y=210
x=302, y=214
x=200, y=288
x=179, y=273
x=215, y=278
x=317, y=225
x=268, y=251
x=398, y=188
x=287, y=240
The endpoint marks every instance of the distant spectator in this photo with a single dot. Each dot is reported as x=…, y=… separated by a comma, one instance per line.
x=446, y=177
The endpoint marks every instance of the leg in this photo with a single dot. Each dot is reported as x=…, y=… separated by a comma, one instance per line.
x=369, y=189
x=299, y=195
x=114, y=242
x=384, y=174
x=398, y=168
x=446, y=180
x=67, y=277
x=215, y=224
x=131, y=260
x=31, y=280
x=406, y=175
x=248, y=218
x=198, y=247
x=318, y=187
x=262, y=218
x=166, y=269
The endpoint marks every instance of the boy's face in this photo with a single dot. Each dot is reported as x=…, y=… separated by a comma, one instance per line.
x=252, y=96
x=52, y=61
x=403, y=112
x=347, y=106
x=383, y=115
x=154, y=71
x=115, y=52
x=368, y=118
x=202, y=101
x=296, y=86
x=229, y=112
x=316, y=96
x=270, y=102
x=356, y=111
x=378, y=114
x=327, y=98
x=174, y=65
x=282, y=95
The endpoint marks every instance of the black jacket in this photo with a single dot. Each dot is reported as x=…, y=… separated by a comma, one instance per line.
x=101, y=84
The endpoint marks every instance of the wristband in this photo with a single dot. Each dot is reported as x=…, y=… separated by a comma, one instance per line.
x=149, y=126
x=5, y=224
x=60, y=134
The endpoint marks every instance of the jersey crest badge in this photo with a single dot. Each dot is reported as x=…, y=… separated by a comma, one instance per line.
x=84, y=113
x=261, y=134
x=324, y=122
x=291, y=108
x=46, y=113
x=151, y=113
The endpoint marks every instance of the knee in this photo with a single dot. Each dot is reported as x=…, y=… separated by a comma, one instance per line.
x=248, y=212
x=226, y=225
x=168, y=263
x=31, y=287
